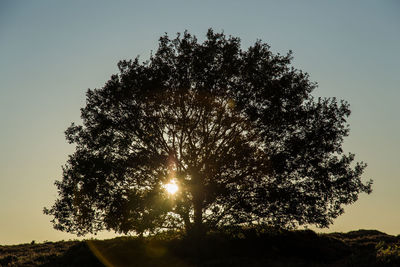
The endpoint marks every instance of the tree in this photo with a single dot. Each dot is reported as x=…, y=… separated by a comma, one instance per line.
x=238, y=132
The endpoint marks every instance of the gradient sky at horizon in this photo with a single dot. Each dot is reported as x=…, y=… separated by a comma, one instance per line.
x=52, y=51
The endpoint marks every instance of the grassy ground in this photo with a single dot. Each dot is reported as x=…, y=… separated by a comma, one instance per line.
x=231, y=247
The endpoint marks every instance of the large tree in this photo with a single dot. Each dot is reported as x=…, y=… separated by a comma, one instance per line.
x=237, y=132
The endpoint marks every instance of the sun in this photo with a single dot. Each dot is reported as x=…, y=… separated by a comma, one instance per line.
x=171, y=187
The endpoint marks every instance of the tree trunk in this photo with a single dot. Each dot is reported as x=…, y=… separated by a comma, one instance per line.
x=198, y=229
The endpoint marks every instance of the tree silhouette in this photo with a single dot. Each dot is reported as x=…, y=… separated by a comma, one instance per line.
x=238, y=132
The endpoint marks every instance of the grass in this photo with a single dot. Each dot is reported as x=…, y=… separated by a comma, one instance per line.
x=228, y=247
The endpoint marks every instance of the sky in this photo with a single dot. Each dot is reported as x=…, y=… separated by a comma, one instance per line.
x=51, y=52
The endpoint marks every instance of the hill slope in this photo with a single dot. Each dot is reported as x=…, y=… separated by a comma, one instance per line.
x=233, y=247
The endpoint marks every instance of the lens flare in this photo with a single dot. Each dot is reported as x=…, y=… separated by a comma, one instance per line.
x=171, y=187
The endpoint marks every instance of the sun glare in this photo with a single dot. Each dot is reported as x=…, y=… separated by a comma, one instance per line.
x=171, y=187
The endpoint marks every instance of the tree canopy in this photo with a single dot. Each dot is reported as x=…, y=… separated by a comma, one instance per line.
x=237, y=132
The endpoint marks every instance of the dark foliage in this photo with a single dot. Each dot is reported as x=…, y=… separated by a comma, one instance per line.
x=239, y=131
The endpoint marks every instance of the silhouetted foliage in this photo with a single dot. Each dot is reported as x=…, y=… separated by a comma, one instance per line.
x=238, y=130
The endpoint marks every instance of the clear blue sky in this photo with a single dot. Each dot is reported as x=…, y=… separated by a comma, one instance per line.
x=52, y=51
